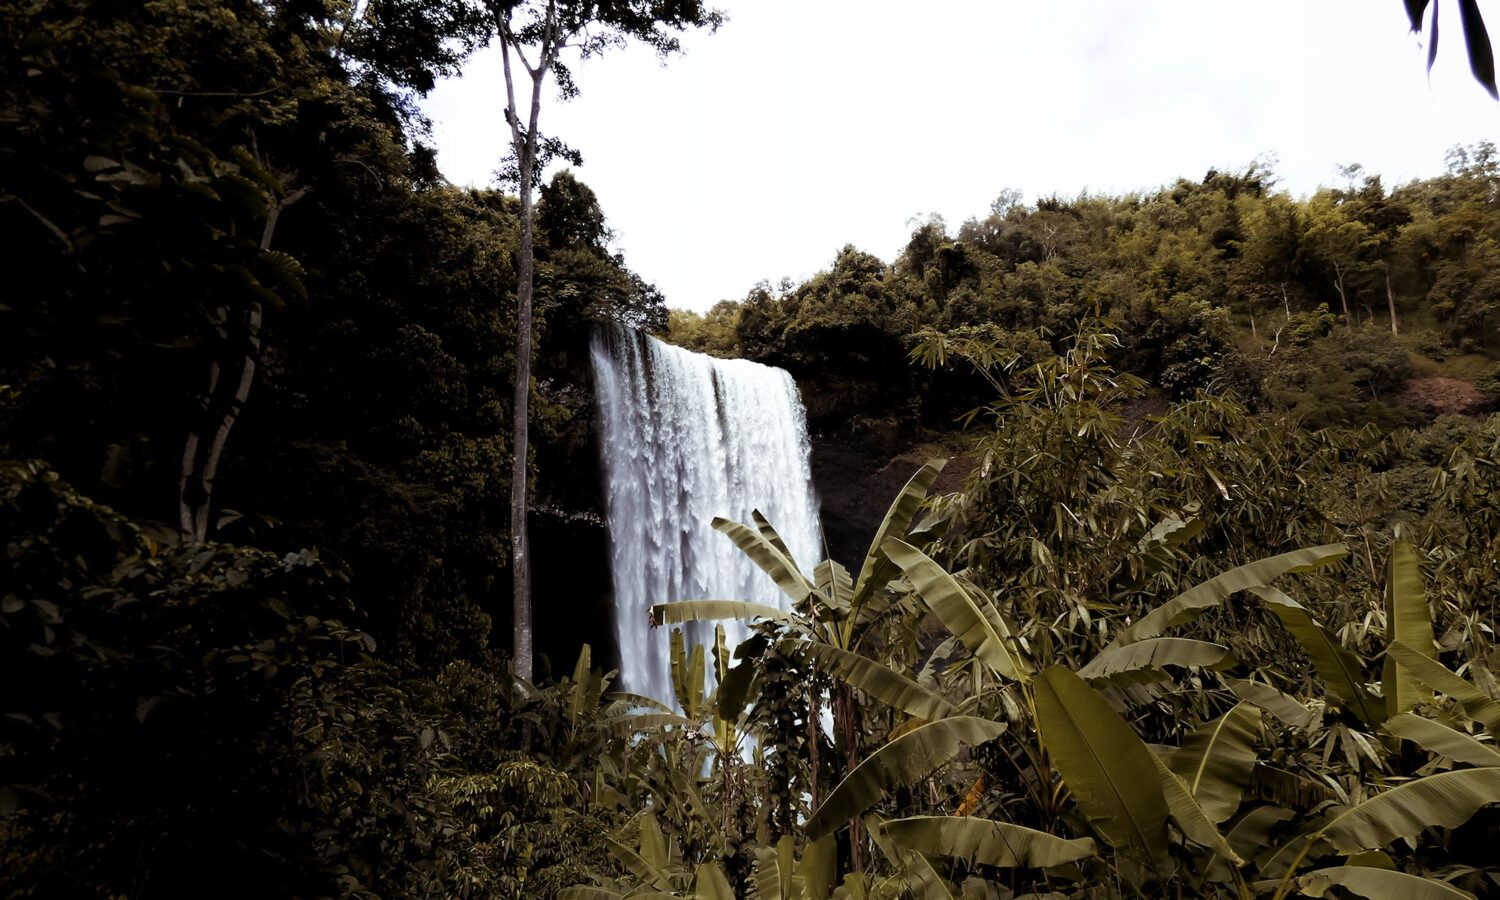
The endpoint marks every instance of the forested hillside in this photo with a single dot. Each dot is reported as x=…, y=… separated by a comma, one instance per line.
x=1165, y=527
x=1358, y=304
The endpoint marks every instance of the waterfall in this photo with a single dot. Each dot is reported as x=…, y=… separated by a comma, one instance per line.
x=686, y=437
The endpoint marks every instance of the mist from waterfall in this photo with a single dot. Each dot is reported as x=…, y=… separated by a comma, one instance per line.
x=686, y=437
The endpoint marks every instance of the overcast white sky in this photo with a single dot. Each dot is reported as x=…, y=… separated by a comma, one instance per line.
x=804, y=125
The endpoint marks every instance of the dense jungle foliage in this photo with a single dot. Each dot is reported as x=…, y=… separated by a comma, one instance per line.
x=1357, y=304
x=1210, y=612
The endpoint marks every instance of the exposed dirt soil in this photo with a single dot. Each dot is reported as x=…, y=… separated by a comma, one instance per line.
x=1440, y=395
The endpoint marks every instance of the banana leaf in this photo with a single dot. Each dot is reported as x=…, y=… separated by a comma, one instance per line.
x=708, y=610
x=907, y=759
x=955, y=608
x=653, y=843
x=768, y=531
x=1193, y=602
x=834, y=585
x=1442, y=740
x=985, y=841
x=817, y=866
x=710, y=884
x=878, y=681
x=1408, y=620
x=1112, y=775
x=773, y=870
x=1288, y=709
x=771, y=560
x=1342, y=672
x=638, y=865
x=878, y=570
x=1478, y=705
x=1378, y=884
x=1150, y=655
x=634, y=701
x=578, y=696
x=1216, y=760
x=688, y=675
x=614, y=726
x=584, y=892
x=1447, y=799
x=922, y=880
x=1189, y=816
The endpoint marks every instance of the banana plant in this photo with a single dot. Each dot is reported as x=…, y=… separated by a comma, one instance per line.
x=831, y=624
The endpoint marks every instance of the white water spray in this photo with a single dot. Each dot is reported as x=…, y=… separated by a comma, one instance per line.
x=686, y=437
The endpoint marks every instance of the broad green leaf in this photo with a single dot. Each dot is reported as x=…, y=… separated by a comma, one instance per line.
x=985, y=841
x=1110, y=772
x=878, y=570
x=834, y=585
x=1442, y=740
x=954, y=607
x=922, y=880
x=1447, y=799
x=1152, y=654
x=1379, y=884
x=1408, y=620
x=734, y=690
x=1478, y=705
x=907, y=759
x=772, y=561
x=1193, y=602
x=878, y=681
x=637, y=865
x=768, y=881
x=1342, y=672
x=1189, y=816
x=1248, y=837
x=708, y=610
x=768, y=531
x=633, y=701
x=817, y=867
x=1216, y=759
x=1250, y=832
x=584, y=892
x=614, y=726
x=710, y=884
x=1288, y=709
x=689, y=674
x=578, y=696
x=653, y=843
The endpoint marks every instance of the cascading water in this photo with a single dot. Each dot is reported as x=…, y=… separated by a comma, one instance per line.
x=687, y=437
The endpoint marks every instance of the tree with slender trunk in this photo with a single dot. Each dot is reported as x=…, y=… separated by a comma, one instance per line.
x=533, y=36
x=223, y=401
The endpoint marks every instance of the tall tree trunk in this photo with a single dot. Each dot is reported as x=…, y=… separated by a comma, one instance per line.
x=1338, y=283
x=1390, y=299
x=195, y=486
x=524, y=142
x=846, y=725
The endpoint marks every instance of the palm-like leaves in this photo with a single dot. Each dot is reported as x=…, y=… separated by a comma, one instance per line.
x=902, y=761
x=1216, y=760
x=1196, y=600
x=877, y=680
x=1478, y=705
x=1110, y=772
x=1442, y=740
x=1341, y=670
x=955, y=608
x=1145, y=659
x=985, y=841
x=1407, y=620
x=1381, y=884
